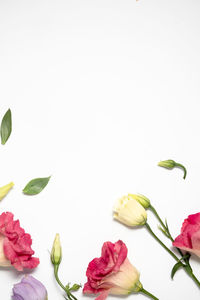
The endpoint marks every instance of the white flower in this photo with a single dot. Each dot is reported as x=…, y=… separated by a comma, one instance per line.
x=130, y=212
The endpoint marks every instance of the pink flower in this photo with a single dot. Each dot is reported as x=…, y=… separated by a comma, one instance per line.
x=189, y=239
x=15, y=244
x=112, y=273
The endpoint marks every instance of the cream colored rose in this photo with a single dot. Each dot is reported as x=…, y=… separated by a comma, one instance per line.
x=130, y=212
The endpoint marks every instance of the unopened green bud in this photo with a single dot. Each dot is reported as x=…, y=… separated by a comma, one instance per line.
x=144, y=201
x=75, y=287
x=169, y=164
x=5, y=189
x=56, y=252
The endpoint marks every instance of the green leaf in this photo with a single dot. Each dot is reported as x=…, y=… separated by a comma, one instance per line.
x=75, y=287
x=67, y=286
x=166, y=225
x=6, y=127
x=36, y=185
x=163, y=231
x=176, y=267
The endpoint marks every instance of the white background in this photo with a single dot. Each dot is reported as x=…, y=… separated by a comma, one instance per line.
x=100, y=91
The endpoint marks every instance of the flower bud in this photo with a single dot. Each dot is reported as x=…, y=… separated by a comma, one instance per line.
x=144, y=201
x=169, y=164
x=130, y=212
x=56, y=252
x=5, y=189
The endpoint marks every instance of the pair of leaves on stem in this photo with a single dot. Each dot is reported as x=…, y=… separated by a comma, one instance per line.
x=6, y=127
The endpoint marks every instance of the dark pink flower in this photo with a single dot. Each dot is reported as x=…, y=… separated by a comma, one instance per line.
x=189, y=239
x=15, y=244
x=112, y=273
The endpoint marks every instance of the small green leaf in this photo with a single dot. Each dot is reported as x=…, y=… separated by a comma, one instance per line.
x=75, y=287
x=177, y=266
x=36, y=185
x=67, y=286
x=166, y=225
x=6, y=127
x=163, y=231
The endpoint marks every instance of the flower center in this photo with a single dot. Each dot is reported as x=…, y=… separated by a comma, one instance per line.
x=4, y=262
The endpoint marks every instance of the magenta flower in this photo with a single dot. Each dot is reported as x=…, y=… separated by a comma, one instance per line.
x=15, y=244
x=29, y=289
x=189, y=239
x=112, y=273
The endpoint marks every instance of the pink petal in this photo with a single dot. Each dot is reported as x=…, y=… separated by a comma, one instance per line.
x=103, y=295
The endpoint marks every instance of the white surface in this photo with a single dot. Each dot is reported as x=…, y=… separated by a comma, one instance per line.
x=100, y=91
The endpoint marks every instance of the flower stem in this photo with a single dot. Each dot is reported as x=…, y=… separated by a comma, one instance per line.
x=70, y=296
x=182, y=167
x=148, y=294
x=160, y=220
x=165, y=227
x=161, y=243
x=186, y=266
x=194, y=278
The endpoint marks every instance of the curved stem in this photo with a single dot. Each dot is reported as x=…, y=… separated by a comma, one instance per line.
x=57, y=278
x=182, y=167
x=161, y=243
x=148, y=294
x=70, y=296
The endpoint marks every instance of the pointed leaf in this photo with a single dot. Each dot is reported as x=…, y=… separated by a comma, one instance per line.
x=36, y=185
x=163, y=231
x=6, y=127
x=75, y=287
x=166, y=225
x=67, y=286
x=177, y=266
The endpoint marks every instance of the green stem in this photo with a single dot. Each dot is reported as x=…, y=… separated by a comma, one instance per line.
x=70, y=296
x=57, y=278
x=194, y=278
x=168, y=232
x=148, y=294
x=160, y=220
x=182, y=167
x=161, y=243
x=186, y=267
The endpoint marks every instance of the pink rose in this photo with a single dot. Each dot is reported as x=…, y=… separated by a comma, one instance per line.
x=15, y=244
x=189, y=239
x=112, y=273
